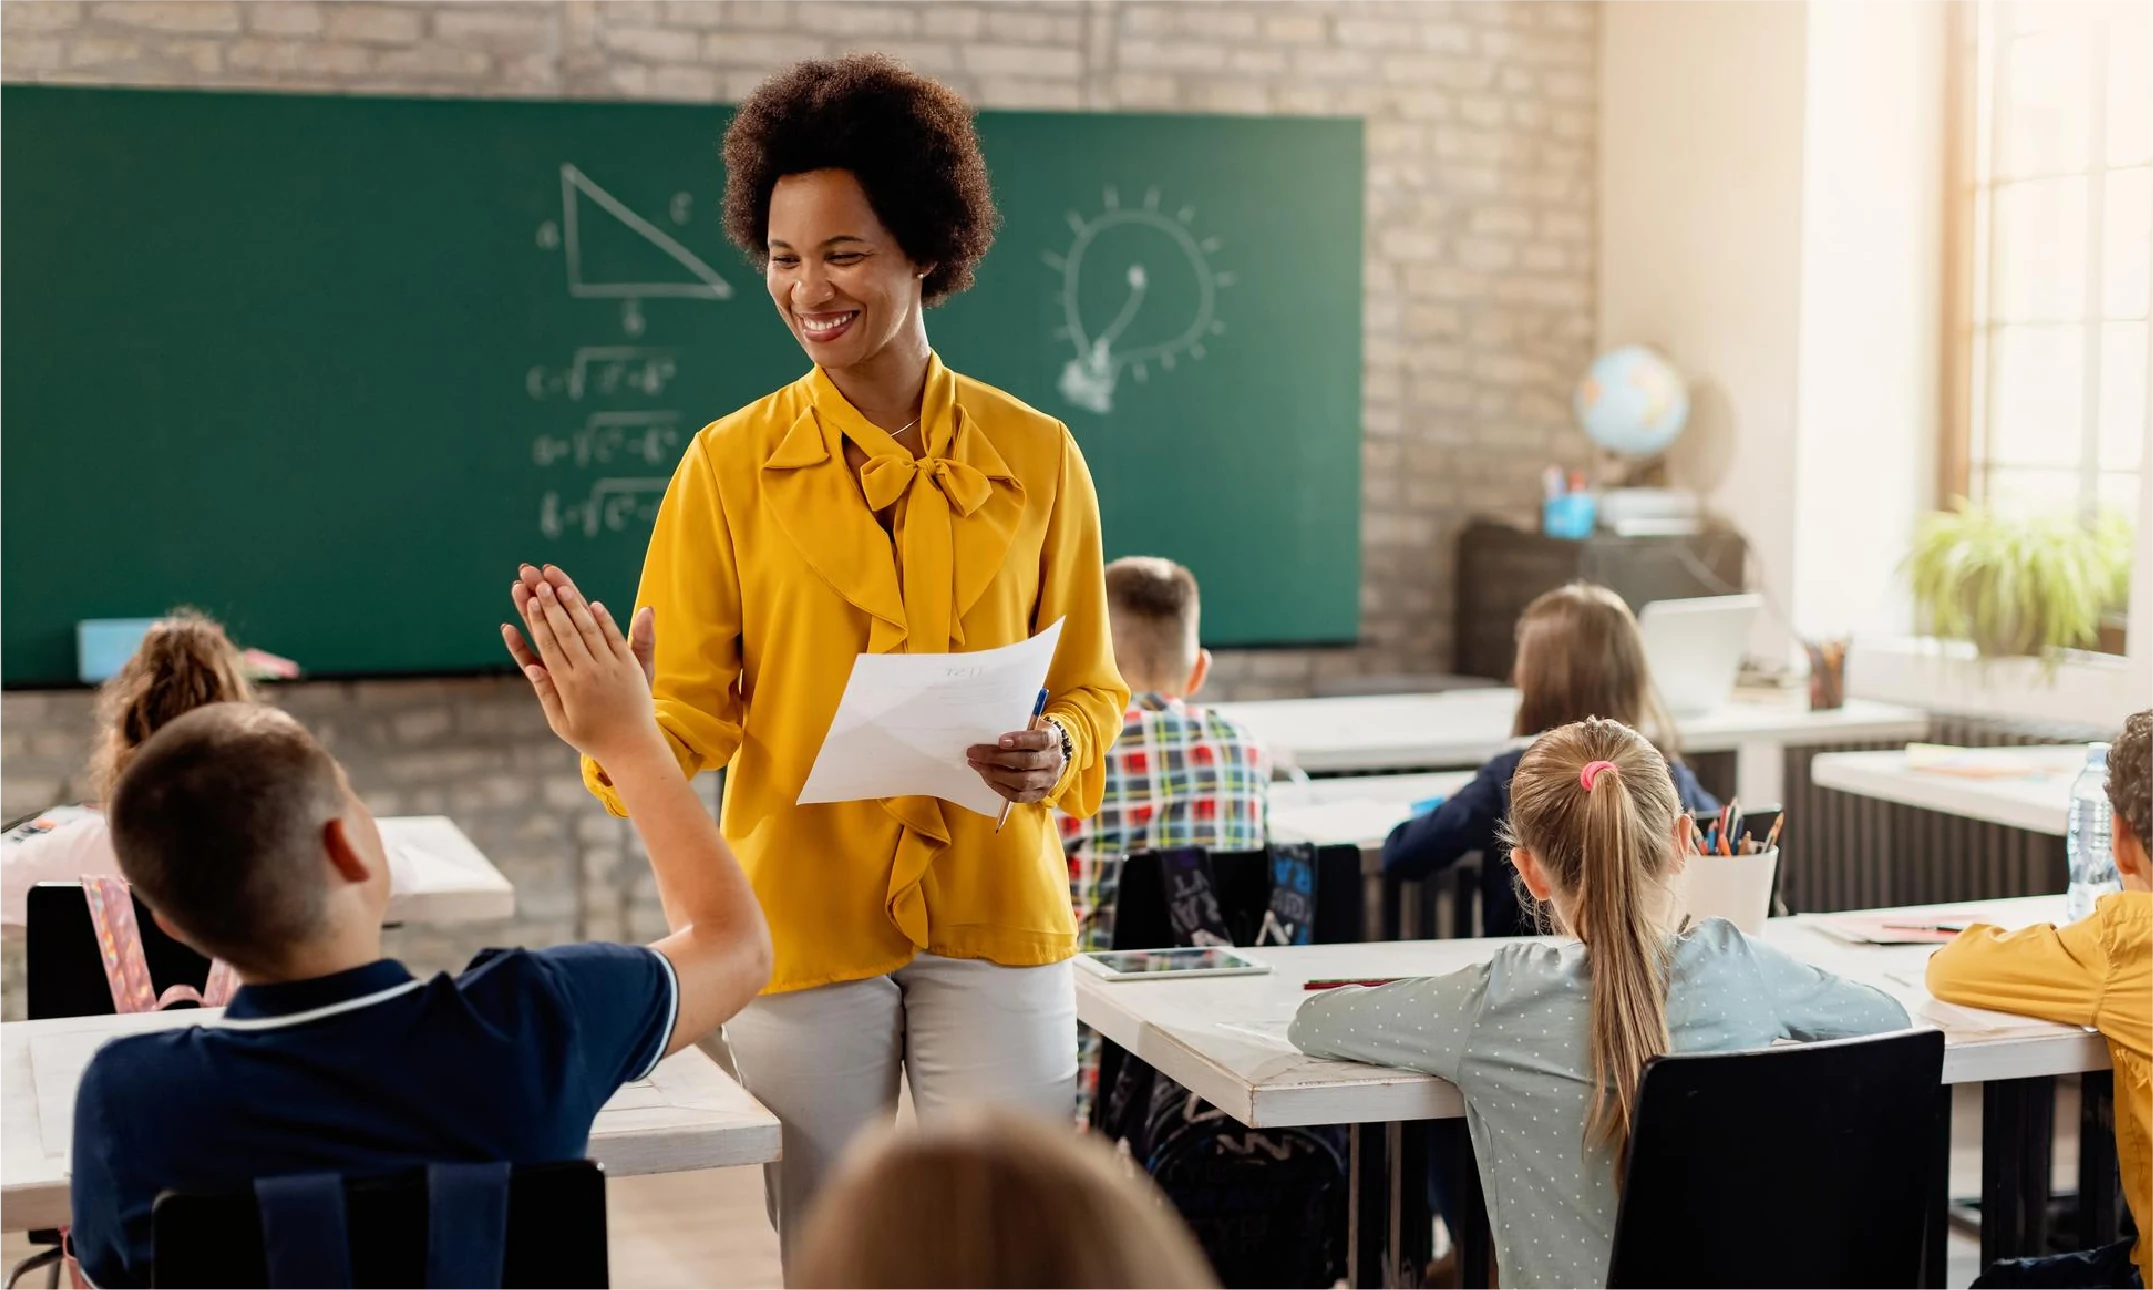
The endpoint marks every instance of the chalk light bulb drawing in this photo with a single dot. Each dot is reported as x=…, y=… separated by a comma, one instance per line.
x=1155, y=323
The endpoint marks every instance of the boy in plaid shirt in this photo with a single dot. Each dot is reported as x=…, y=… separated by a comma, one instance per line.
x=1179, y=776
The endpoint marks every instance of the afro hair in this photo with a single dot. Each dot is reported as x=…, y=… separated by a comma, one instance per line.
x=908, y=140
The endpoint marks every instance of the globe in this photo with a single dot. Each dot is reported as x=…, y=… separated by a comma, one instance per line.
x=1632, y=402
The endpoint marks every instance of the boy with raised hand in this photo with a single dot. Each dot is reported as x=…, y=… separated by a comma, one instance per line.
x=245, y=837
x=2097, y=972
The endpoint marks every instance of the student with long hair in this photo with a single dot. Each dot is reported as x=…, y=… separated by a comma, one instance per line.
x=1579, y=655
x=1548, y=1040
x=184, y=662
x=994, y=1198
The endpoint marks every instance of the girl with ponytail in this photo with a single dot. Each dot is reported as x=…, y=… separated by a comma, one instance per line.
x=1548, y=1038
x=184, y=662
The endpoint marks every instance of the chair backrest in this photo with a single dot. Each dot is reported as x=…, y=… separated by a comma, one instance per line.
x=1242, y=882
x=1796, y=1165
x=556, y=1232
x=66, y=975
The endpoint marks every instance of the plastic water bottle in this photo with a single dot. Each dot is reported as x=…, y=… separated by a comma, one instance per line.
x=2086, y=837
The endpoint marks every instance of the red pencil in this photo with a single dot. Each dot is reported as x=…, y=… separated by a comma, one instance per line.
x=1333, y=983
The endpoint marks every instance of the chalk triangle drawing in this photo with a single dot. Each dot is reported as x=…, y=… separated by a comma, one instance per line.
x=589, y=212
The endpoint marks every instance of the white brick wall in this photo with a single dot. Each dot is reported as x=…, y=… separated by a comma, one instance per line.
x=1479, y=278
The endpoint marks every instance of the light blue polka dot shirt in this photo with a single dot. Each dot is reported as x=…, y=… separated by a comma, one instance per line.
x=1511, y=1034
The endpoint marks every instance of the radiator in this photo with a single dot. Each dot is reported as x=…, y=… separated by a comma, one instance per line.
x=1846, y=851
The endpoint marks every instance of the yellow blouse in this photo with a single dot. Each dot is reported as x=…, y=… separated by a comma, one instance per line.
x=769, y=572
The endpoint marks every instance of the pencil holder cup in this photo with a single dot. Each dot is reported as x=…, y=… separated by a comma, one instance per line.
x=1736, y=888
x=1827, y=675
x=1570, y=515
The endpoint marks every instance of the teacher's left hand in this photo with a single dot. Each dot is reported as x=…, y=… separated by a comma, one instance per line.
x=1023, y=765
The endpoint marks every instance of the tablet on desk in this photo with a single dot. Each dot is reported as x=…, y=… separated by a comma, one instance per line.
x=1160, y=965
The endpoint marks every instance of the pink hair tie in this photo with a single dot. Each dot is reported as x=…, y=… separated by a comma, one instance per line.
x=1592, y=772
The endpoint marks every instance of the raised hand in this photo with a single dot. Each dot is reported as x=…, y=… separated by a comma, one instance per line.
x=642, y=631
x=592, y=684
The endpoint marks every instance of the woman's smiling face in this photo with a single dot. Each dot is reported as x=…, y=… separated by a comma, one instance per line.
x=837, y=276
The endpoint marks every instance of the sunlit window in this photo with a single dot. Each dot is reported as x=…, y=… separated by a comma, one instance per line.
x=2060, y=235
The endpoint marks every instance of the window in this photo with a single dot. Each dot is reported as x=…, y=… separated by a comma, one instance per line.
x=2052, y=242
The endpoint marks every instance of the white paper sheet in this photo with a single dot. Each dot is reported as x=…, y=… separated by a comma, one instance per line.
x=905, y=720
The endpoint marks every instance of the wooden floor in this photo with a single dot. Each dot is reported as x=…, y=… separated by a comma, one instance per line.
x=710, y=1229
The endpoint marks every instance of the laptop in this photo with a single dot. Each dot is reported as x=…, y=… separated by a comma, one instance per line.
x=1694, y=648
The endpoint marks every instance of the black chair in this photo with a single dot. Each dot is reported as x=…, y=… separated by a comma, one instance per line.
x=66, y=978
x=66, y=974
x=1796, y=1165
x=1242, y=880
x=556, y=1232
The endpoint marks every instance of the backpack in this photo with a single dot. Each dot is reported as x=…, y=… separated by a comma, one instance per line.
x=127, y=972
x=1267, y=1205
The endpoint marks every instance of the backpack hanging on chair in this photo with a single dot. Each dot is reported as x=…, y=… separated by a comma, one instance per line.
x=1267, y=1205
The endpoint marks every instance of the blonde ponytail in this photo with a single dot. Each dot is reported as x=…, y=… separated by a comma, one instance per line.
x=1626, y=948
x=1593, y=803
x=184, y=662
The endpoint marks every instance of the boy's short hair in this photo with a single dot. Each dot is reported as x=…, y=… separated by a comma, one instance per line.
x=2130, y=775
x=218, y=823
x=1154, y=608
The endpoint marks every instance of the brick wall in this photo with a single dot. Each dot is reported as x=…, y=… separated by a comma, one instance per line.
x=1479, y=285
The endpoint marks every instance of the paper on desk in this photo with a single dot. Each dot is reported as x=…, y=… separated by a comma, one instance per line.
x=905, y=720
x=56, y=1066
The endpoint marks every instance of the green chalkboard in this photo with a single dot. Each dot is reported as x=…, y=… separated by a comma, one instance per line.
x=330, y=366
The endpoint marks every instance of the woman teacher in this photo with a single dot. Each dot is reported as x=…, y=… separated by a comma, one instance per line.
x=880, y=503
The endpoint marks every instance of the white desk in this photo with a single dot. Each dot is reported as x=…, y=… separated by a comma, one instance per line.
x=1466, y=727
x=687, y=1115
x=436, y=875
x=1356, y=809
x=1224, y=1037
x=2038, y=801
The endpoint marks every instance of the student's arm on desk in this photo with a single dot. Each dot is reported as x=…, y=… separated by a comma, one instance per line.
x=1810, y=1003
x=691, y=581
x=1422, y=1024
x=1460, y=826
x=597, y=699
x=2054, y=973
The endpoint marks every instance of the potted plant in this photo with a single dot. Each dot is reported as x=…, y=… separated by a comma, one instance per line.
x=2017, y=585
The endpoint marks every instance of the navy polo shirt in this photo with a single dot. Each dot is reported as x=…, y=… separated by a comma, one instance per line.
x=366, y=1071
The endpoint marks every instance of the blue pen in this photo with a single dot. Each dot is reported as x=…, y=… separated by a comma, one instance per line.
x=1039, y=708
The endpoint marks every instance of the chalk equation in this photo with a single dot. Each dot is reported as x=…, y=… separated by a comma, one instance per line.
x=616, y=505
x=645, y=438
x=602, y=370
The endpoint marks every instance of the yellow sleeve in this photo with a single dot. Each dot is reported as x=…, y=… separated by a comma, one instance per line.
x=1086, y=695
x=692, y=583
x=2048, y=972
